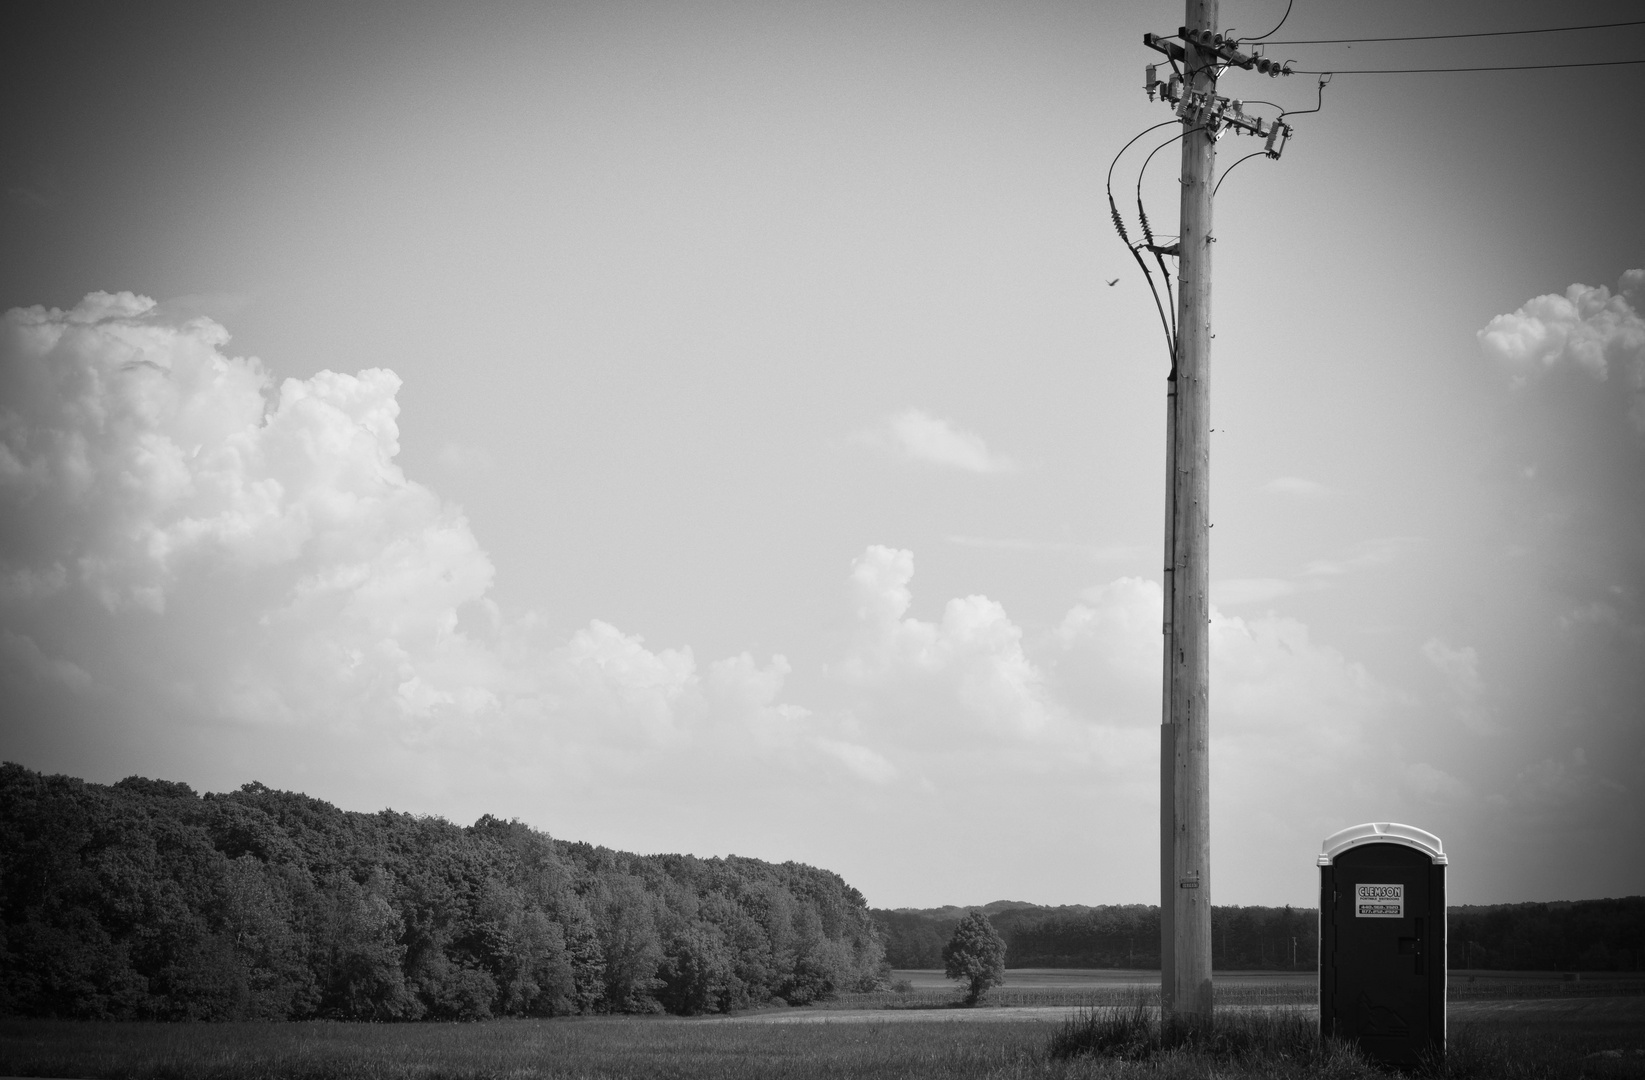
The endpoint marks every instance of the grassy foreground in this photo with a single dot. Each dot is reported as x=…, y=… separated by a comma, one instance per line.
x=1119, y=1043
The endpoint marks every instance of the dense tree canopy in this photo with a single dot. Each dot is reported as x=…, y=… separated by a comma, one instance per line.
x=975, y=956
x=144, y=900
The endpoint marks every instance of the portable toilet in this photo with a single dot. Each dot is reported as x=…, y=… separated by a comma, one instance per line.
x=1382, y=941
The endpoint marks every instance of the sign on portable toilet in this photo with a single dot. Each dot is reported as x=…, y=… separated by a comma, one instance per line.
x=1382, y=941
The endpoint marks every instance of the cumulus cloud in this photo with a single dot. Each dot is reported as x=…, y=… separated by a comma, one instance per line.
x=937, y=441
x=1589, y=328
x=189, y=535
x=968, y=672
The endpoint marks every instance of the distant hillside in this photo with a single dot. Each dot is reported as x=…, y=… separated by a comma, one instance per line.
x=143, y=900
x=1584, y=935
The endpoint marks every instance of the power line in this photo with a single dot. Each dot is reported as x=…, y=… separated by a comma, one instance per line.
x=1445, y=37
x=1229, y=169
x=1500, y=67
x=1282, y=19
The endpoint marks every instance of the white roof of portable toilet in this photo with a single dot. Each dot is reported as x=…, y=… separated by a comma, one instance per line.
x=1382, y=832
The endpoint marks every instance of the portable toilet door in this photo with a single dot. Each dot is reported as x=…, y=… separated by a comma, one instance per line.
x=1382, y=941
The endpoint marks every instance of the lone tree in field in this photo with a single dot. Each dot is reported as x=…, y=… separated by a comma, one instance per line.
x=975, y=955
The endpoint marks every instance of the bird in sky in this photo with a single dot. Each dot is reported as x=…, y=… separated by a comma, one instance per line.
x=1112, y=282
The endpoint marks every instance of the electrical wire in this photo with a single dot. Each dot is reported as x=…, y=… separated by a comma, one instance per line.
x=1499, y=67
x=1229, y=169
x=1282, y=19
x=1319, y=103
x=1119, y=227
x=1448, y=37
x=1148, y=234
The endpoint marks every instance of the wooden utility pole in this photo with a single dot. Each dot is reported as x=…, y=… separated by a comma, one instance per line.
x=1185, y=762
x=1185, y=767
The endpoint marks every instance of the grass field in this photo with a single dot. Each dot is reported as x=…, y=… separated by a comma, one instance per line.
x=1576, y=1035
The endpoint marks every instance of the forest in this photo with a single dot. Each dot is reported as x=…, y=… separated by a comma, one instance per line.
x=1579, y=935
x=144, y=900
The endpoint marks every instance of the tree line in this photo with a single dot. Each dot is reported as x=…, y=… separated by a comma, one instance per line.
x=1584, y=935
x=1104, y=936
x=1577, y=935
x=144, y=900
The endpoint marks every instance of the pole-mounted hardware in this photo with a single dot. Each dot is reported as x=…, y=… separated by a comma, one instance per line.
x=1206, y=108
x=1224, y=48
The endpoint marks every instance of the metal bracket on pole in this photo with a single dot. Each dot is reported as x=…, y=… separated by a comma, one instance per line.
x=1208, y=109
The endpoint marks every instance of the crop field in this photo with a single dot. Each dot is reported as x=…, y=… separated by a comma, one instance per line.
x=1576, y=1035
x=1083, y=988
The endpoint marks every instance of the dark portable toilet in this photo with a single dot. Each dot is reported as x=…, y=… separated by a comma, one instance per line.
x=1382, y=941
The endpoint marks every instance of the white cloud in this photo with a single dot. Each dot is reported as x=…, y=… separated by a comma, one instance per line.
x=937, y=441
x=260, y=557
x=1589, y=328
x=970, y=670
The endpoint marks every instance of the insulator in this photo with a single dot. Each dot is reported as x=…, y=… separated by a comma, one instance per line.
x=1216, y=39
x=1119, y=226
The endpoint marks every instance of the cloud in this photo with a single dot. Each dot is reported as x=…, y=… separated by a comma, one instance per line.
x=937, y=441
x=196, y=540
x=1589, y=329
x=968, y=672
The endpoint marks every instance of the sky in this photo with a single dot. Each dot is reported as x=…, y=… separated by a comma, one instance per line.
x=709, y=427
